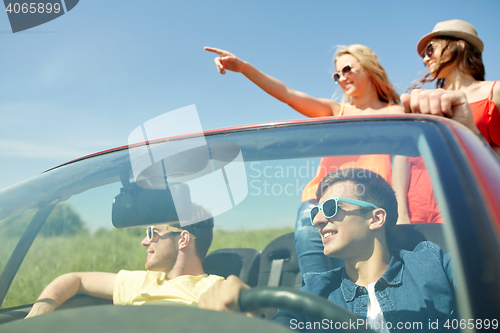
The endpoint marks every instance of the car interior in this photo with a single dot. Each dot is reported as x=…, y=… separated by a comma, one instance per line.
x=124, y=191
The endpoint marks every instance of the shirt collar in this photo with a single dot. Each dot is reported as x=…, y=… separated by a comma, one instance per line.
x=392, y=277
x=394, y=273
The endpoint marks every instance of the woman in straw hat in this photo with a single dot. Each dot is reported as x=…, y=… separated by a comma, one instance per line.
x=452, y=53
x=368, y=91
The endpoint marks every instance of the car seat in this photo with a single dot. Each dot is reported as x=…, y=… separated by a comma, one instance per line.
x=279, y=265
x=242, y=262
x=407, y=236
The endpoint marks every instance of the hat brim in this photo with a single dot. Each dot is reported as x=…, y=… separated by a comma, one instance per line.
x=474, y=40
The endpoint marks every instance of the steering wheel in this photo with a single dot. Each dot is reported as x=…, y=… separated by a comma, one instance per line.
x=297, y=301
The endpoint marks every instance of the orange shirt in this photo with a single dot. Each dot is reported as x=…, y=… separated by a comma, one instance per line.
x=487, y=118
x=380, y=164
x=422, y=205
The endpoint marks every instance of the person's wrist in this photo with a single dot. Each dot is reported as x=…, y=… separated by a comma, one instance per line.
x=46, y=303
x=42, y=306
x=244, y=67
x=46, y=300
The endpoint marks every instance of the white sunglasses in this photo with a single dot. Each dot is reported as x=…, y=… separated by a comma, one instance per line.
x=150, y=231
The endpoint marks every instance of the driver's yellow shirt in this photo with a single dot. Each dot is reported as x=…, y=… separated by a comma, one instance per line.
x=139, y=287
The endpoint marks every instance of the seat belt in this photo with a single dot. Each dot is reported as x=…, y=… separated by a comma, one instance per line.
x=275, y=273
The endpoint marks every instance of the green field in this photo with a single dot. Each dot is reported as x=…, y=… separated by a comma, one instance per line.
x=107, y=251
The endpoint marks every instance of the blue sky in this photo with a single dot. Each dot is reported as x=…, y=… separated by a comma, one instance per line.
x=81, y=83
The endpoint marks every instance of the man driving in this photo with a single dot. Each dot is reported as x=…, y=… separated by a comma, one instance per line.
x=174, y=271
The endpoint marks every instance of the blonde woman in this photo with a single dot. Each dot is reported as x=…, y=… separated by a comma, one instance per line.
x=367, y=90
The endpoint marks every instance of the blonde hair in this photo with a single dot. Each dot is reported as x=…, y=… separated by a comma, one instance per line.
x=369, y=61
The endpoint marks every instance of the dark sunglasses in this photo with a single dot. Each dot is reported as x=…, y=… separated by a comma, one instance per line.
x=345, y=71
x=150, y=231
x=429, y=51
x=331, y=206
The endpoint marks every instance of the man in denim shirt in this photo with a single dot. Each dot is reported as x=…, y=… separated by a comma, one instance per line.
x=412, y=288
x=393, y=292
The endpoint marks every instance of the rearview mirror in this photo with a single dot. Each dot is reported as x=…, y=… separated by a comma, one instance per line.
x=136, y=206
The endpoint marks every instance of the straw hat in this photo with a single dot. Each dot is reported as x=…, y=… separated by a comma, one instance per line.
x=452, y=28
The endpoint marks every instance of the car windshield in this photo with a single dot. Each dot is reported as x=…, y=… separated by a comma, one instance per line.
x=91, y=214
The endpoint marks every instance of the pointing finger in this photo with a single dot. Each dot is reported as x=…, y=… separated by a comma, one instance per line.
x=215, y=50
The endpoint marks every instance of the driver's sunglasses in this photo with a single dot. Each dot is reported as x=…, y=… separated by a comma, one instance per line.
x=345, y=71
x=331, y=206
x=150, y=231
x=429, y=51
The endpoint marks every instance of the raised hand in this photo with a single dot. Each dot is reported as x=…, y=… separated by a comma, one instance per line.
x=302, y=102
x=226, y=61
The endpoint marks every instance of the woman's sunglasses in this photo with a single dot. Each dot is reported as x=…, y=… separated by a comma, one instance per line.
x=345, y=71
x=429, y=51
x=331, y=206
x=150, y=231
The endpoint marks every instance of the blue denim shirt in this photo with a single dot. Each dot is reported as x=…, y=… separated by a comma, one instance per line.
x=416, y=288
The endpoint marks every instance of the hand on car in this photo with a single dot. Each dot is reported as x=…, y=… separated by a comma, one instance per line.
x=226, y=61
x=223, y=295
x=440, y=102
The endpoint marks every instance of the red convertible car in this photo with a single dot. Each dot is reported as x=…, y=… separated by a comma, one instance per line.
x=89, y=215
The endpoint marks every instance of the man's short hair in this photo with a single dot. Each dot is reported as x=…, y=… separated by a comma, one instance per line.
x=203, y=230
x=370, y=187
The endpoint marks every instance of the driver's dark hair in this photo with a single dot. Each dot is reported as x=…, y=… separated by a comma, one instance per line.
x=202, y=228
x=370, y=187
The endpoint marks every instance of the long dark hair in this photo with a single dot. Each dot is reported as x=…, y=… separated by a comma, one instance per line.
x=467, y=57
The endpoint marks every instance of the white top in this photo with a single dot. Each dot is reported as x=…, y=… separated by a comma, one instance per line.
x=375, y=316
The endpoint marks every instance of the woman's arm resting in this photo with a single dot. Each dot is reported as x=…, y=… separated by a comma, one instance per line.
x=439, y=102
